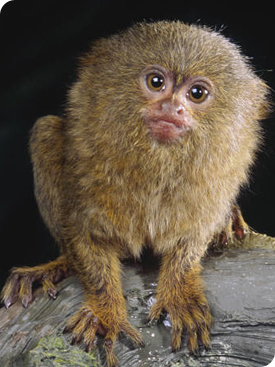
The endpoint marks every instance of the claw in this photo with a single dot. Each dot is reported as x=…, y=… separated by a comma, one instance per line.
x=89, y=346
x=67, y=329
x=26, y=300
x=10, y=291
x=74, y=340
x=52, y=292
x=224, y=238
x=8, y=302
x=239, y=225
x=20, y=282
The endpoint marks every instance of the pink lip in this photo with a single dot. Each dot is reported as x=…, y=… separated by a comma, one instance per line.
x=171, y=123
x=166, y=129
x=169, y=120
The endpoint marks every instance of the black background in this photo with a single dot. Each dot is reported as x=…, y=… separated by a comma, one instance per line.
x=40, y=45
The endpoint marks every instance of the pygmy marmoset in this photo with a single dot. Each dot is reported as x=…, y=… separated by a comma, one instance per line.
x=157, y=138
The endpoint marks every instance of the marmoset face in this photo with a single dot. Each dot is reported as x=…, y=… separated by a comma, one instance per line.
x=172, y=106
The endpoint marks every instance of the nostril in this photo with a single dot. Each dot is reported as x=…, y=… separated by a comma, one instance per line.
x=179, y=110
x=160, y=106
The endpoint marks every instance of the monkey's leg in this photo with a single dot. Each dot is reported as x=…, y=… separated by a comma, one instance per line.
x=104, y=309
x=20, y=282
x=236, y=226
x=180, y=293
x=46, y=148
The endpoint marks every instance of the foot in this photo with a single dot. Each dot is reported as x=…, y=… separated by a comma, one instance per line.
x=236, y=227
x=20, y=282
x=188, y=310
x=84, y=326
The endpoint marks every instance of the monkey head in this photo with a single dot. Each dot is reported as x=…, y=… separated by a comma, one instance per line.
x=167, y=84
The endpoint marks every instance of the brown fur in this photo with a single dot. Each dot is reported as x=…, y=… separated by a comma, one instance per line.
x=105, y=188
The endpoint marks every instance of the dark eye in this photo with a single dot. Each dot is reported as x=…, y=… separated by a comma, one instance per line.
x=198, y=93
x=155, y=82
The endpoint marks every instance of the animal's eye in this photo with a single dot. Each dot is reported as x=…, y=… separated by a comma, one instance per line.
x=198, y=93
x=155, y=82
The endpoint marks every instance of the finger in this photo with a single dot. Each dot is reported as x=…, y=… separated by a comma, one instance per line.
x=204, y=330
x=202, y=318
x=239, y=226
x=177, y=337
x=127, y=328
x=109, y=348
x=155, y=312
x=25, y=292
x=200, y=314
x=204, y=337
x=52, y=292
x=192, y=340
x=223, y=238
x=81, y=327
x=74, y=320
x=49, y=288
x=89, y=337
x=10, y=291
x=186, y=319
x=89, y=345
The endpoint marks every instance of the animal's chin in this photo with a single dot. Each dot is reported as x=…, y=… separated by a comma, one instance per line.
x=165, y=131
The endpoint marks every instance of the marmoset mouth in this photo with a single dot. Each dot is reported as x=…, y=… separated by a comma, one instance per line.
x=166, y=129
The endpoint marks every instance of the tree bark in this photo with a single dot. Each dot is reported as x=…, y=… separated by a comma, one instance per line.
x=240, y=287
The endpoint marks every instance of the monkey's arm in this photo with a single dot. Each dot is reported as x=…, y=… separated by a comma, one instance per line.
x=46, y=150
x=104, y=308
x=180, y=293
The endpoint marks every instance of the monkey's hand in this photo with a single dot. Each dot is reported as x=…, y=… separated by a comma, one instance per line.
x=104, y=310
x=108, y=320
x=182, y=296
x=20, y=282
x=236, y=227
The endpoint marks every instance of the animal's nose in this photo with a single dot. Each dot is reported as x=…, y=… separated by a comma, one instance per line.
x=174, y=108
